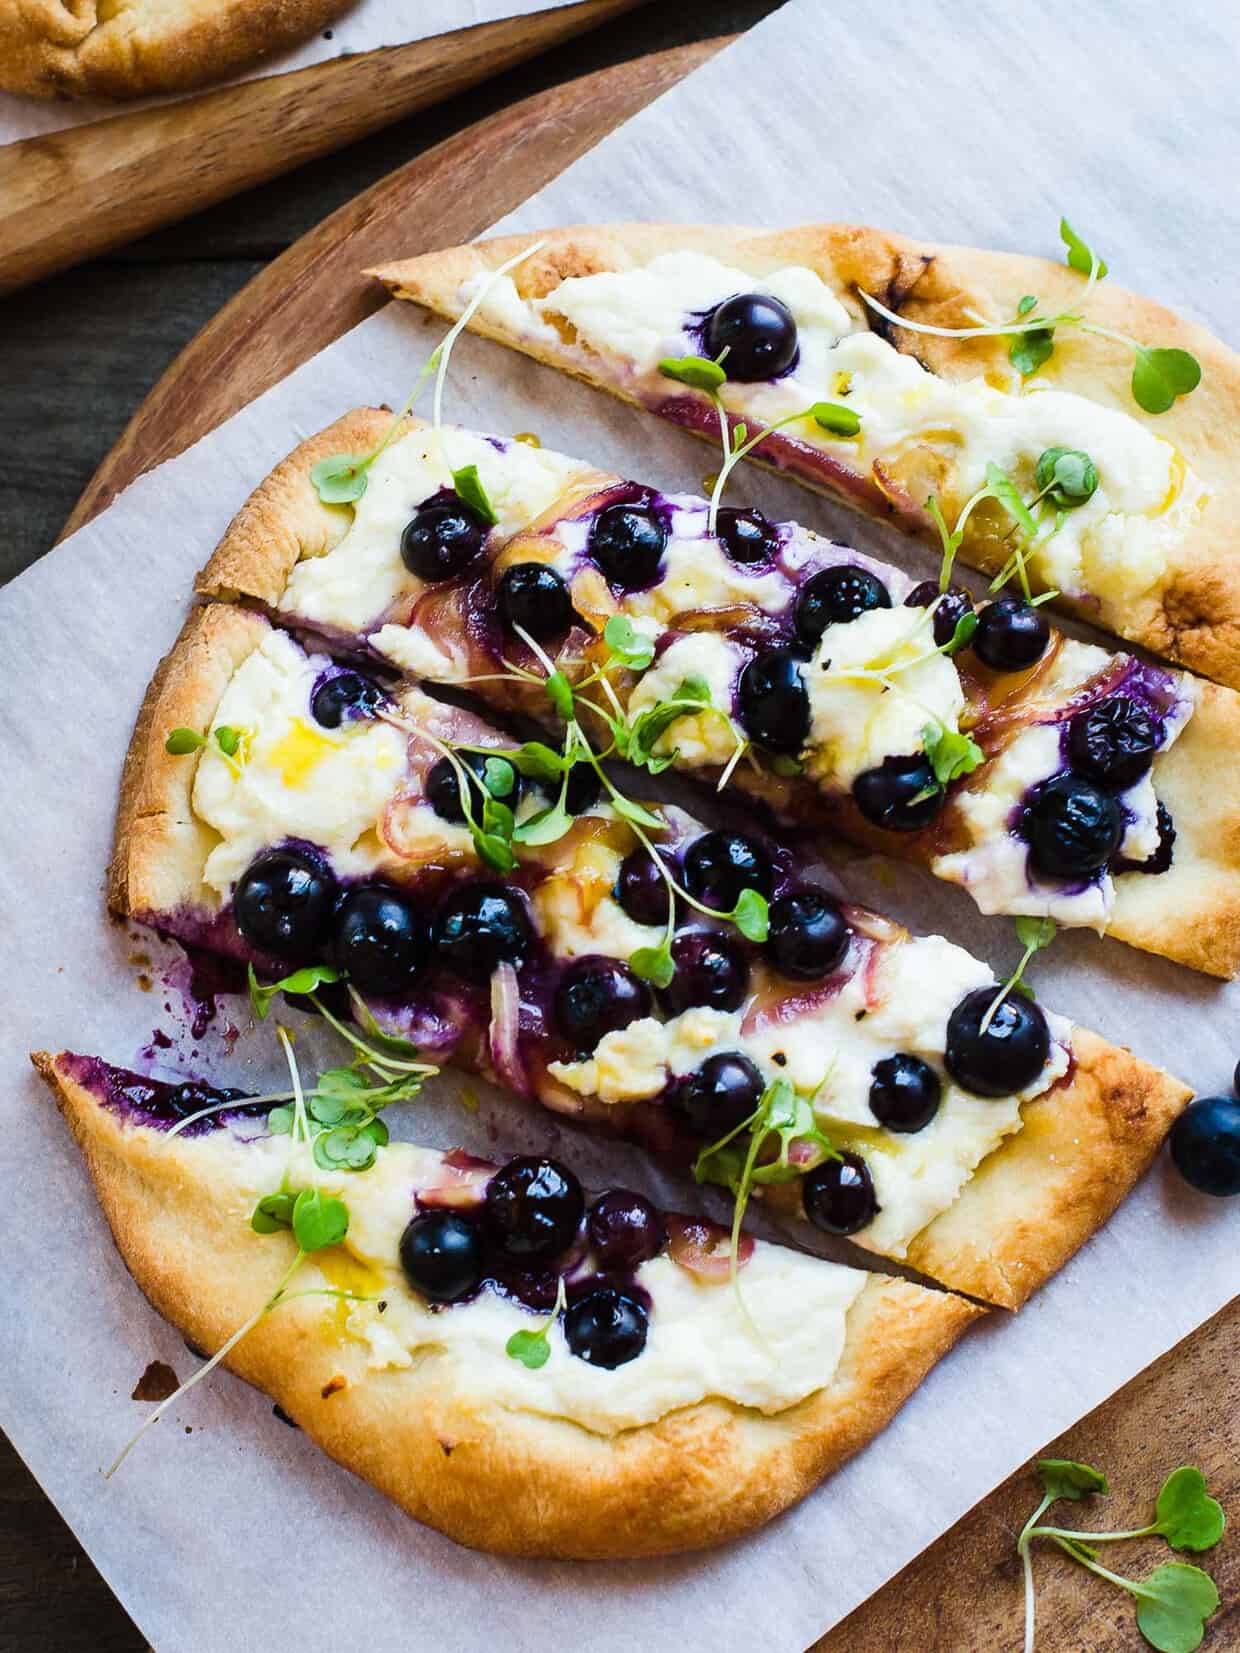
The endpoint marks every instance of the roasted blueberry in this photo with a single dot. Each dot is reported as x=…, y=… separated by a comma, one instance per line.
x=283, y=902
x=839, y=1195
x=904, y=1092
x=1205, y=1145
x=834, y=596
x=808, y=935
x=1113, y=742
x=901, y=795
x=533, y=596
x=720, y=1095
x=627, y=543
x=773, y=701
x=757, y=331
x=441, y=1254
x=345, y=696
x=1008, y=1056
x=442, y=538
x=443, y=786
x=380, y=939
x=607, y=1327
x=955, y=604
x=533, y=1207
x=1011, y=635
x=584, y=788
x=596, y=996
x=745, y=534
x=1163, y=855
x=193, y=1095
x=1072, y=827
x=480, y=928
x=711, y=970
x=641, y=889
x=625, y=1230
x=719, y=866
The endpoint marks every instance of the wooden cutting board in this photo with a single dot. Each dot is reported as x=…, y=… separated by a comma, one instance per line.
x=963, y=1595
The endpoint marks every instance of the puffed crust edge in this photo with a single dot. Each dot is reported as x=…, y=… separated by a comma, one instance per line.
x=507, y=1482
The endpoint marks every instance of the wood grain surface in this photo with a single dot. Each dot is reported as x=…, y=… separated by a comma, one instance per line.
x=963, y=1593
x=69, y=195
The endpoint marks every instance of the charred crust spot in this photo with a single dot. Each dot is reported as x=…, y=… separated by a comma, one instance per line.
x=447, y=1448
x=895, y=295
x=333, y=1386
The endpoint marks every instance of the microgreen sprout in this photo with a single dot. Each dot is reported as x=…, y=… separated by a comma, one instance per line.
x=229, y=742
x=468, y=486
x=342, y=478
x=1033, y=934
x=737, y=443
x=533, y=1347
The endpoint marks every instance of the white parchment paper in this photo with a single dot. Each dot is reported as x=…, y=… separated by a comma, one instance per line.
x=946, y=121
x=369, y=25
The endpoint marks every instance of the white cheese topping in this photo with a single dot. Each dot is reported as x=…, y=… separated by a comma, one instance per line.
x=635, y=1062
x=577, y=914
x=707, y=736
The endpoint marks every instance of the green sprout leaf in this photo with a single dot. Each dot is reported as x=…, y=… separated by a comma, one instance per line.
x=538, y=762
x=547, y=827
x=1028, y=351
x=1034, y=934
x=272, y=1213
x=560, y=693
x=181, y=741
x=1003, y=489
x=1186, y=1516
x=228, y=740
x=319, y=1220
x=301, y=981
x=1173, y=1604
x=341, y=478
x=1066, y=476
x=653, y=964
x=951, y=754
x=751, y=915
x=498, y=777
x=280, y=1121
x=468, y=486
x=532, y=1349
x=1028, y=303
x=497, y=852
x=697, y=371
x=962, y=634
x=1061, y=1478
x=840, y=421
x=626, y=644
x=630, y=810
x=1159, y=376
x=1079, y=255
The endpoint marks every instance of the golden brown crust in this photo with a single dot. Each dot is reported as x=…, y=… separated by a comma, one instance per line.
x=495, y=1479
x=1194, y=619
x=131, y=48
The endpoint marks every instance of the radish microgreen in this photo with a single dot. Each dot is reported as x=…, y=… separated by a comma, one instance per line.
x=468, y=486
x=229, y=742
x=533, y=1347
x=1034, y=934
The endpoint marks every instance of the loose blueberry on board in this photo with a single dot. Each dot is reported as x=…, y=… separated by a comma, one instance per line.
x=1072, y=827
x=904, y=1092
x=283, y=902
x=627, y=544
x=479, y=928
x=901, y=795
x=443, y=786
x=745, y=534
x=607, y=1327
x=711, y=970
x=757, y=331
x=535, y=597
x=442, y=538
x=773, y=701
x=442, y=1256
x=1008, y=1056
x=834, y=596
x=346, y=695
x=720, y=866
x=584, y=788
x=808, y=935
x=1162, y=856
x=533, y=1207
x=1011, y=635
x=1205, y=1145
x=596, y=996
x=380, y=939
x=641, y=889
x=1113, y=742
x=720, y=1095
x=956, y=603
x=839, y=1196
x=625, y=1230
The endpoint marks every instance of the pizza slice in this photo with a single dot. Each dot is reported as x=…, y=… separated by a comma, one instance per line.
x=509, y=910
x=1051, y=778
x=1044, y=410
x=526, y=1371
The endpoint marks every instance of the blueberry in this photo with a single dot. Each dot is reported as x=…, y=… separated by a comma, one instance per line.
x=442, y=538
x=607, y=1327
x=1205, y=1145
x=745, y=534
x=533, y=1207
x=441, y=1254
x=757, y=331
x=283, y=901
x=1011, y=634
x=956, y=603
x=1072, y=827
x=808, y=935
x=533, y=596
x=380, y=939
x=443, y=786
x=1235, y=1082
x=192, y=1096
x=1008, y=1056
x=901, y=795
x=904, y=1092
x=719, y=866
x=1113, y=742
x=627, y=543
x=720, y=1095
x=625, y=1230
x=479, y=928
x=773, y=701
x=834, y=596
x=584, y=788
x=839, y=1195
x=641, y=889
x=711, y=970
x=1163, y=855
x=596, y=996
x=346, y=695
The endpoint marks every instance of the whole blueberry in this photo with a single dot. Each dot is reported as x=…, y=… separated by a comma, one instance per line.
x=441, y=1254
x=535, y=597
x=606, y=1327
x=442, y=538
x=1113, y=742
x=596, y=996
x=627, y=543
x=834, y=596
x=808, y=935
x=900, y=795
x=758, y=333
x=720, y=866
x=1011, y=635
x=533, y=1207
x=480, y=928
x=1205, y=1145
x=839, y=1196
x=346, y=695
x=1072, y=827
x=719, y=1095
x=443, y=786
x=625, y=1230
x=772, y=700
x=641, y=889
x=711, y=970
x=904, y=1092
x=380, y=939
x=283, y=902
x=745, y=534
x=584, y=788
x=954, y=604
x=1005, y=1058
